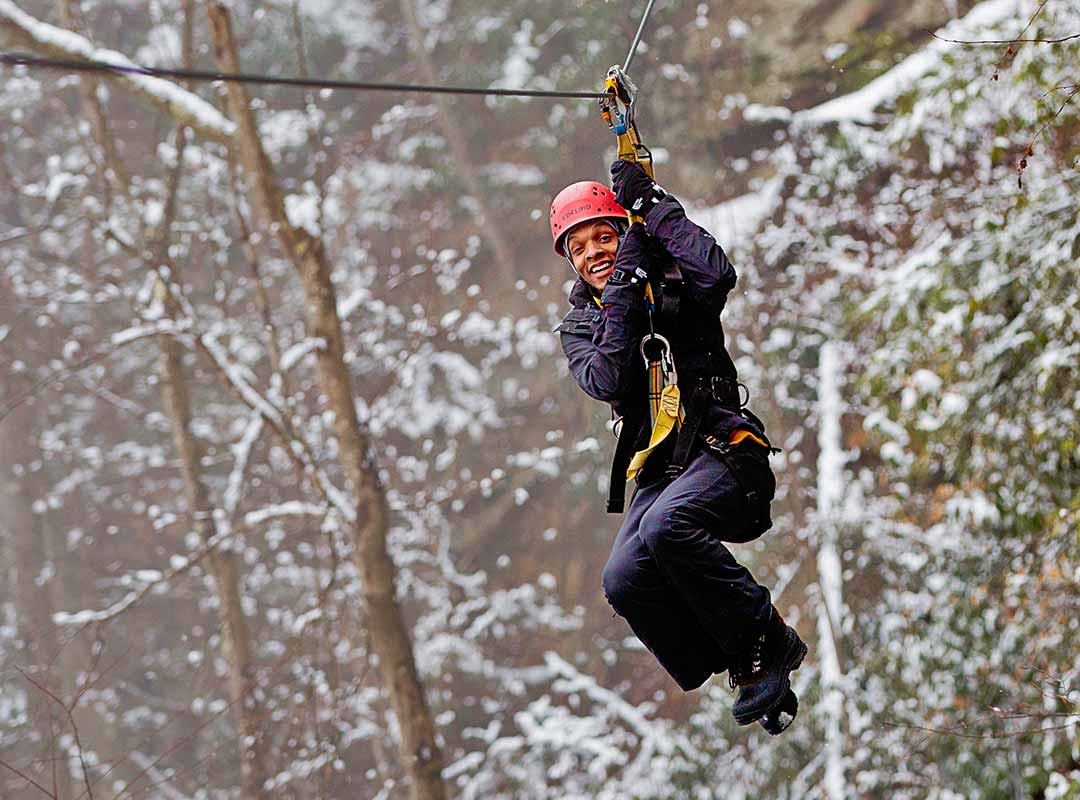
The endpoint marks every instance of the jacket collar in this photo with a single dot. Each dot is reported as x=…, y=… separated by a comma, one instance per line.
x=581, y=295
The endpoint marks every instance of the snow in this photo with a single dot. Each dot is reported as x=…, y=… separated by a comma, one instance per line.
x=754, y=112
x=285, y=129
x=356, y=23
x=517, y=68
x=138, y=332
x=737, y=29
x=303, y=212
x=348, y=305
x=294, y=508
x=735, y=221
x=835, y=50
x=163, y=47
x=291, y=357
x=510, y=174
x=239, y=380
x=241, y=453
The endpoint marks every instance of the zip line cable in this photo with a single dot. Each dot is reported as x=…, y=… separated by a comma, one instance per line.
x=27, y=60
x=637, y=36
x=209, y=76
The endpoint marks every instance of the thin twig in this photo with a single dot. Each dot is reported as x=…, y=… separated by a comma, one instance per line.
x=1006, y=41
x=61, y=375
x=71, y=721
x=27, y=778
x=1020, y=167
x=116, y=609
x=980, y=736
x=1009, y=50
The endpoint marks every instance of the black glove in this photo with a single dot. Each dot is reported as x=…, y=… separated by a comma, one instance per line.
x=632, y=261
x=634, y=189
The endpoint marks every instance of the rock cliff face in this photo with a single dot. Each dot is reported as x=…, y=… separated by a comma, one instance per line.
x=791, y=55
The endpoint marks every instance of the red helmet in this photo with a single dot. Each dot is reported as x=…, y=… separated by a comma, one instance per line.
x=581, y=202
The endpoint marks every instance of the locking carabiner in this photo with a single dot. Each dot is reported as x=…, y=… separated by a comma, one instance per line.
x=617, y=109
x=666, y=360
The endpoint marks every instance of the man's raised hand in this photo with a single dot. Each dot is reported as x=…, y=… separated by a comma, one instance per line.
x=634, y=189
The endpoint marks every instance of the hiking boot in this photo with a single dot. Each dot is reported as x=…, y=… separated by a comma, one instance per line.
x=763, y=673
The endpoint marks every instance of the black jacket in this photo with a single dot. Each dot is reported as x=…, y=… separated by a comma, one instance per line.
x=602, y=345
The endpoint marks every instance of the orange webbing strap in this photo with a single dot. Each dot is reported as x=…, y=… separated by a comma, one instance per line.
x=742, y=433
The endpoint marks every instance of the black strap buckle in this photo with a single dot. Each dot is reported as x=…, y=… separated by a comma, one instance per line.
x=718, y=445
x=728, y=391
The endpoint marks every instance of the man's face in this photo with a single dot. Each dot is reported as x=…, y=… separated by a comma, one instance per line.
x=591, y=248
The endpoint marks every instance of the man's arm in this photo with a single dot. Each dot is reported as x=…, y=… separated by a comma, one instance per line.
x=705, y=267
x=603, y=363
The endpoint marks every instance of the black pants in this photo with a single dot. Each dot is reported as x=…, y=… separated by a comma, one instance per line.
x=682, y=592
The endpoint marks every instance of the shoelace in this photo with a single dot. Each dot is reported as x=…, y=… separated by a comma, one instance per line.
x=751, y=666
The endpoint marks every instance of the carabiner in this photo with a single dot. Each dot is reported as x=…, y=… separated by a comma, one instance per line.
x=619, y=89
x=665, y=347
x=667, y=362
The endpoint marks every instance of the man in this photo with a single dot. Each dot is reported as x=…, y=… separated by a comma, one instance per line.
x=669, y=574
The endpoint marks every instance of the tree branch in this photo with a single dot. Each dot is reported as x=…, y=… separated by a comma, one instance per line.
x=19, y=28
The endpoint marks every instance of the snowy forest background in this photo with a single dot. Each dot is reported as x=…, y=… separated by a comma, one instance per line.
x=193, y=599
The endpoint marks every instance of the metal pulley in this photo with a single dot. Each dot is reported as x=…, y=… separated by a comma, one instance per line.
x=617, y=109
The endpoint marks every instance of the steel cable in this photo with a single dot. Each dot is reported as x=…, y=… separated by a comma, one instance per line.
x=637, y=36
x=71, y=65
x=27, y=60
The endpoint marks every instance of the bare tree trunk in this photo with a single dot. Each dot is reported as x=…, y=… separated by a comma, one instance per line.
x=236, y=640
x=95, y=110
x=224, y=564
x=830, y=583
x=421, y=756
x=463, y=164
x=21, y=534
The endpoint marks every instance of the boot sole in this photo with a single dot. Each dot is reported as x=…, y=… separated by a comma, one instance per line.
x=792, y=664
x=781, y=718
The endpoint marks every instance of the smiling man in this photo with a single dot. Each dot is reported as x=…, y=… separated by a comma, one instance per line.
x=669, y=574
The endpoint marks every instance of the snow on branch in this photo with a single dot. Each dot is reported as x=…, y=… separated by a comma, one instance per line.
x=241, y=456
x=655, y=736
x=19, y=28
x=117, y=341
x=293, y=508
x=291, y=357
x=151, y=580
x=300, y=451
x=136, y=332
x=236, y=379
